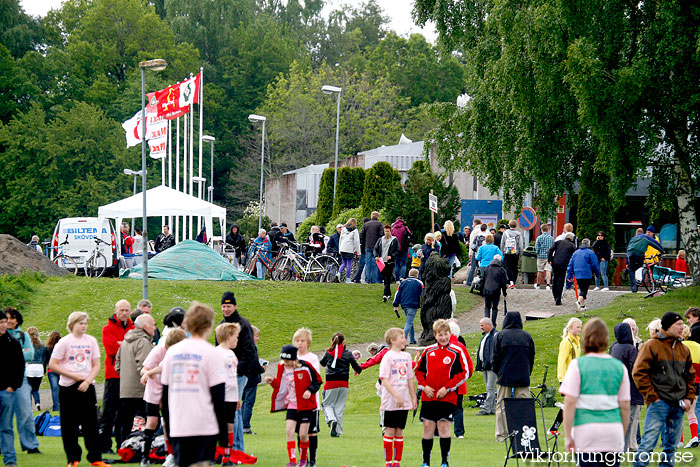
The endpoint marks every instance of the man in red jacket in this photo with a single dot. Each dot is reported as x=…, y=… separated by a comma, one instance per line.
x=112, y=337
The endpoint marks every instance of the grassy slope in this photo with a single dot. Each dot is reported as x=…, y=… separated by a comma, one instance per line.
x=278, y=309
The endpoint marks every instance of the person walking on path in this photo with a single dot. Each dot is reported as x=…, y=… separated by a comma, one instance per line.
x=487, y=252
x=403, y=235
x=513, y=361
x=451, y=247
x=604, y=253
x=112, y=337
x=349, y=247
x=11, y=378
x=625, y=350
x=665, y=376
x=408, y=295
x=495, y=282
x=363, y=260
x=337, y=361
x=76, y=358
x=636, y=249
x=583, y=265
x=479, y=239
x=544, y=270
x=559, y=255
x=596, y=392
x=569, y=348
x=386, y=248
x=372, y=231
x=512, y=247
x=498, y=236
x=484, y=363
x=568, y=228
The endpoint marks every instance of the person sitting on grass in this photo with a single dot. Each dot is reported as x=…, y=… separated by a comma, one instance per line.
x=439, y=373
x=293, y=389
x=398, y=395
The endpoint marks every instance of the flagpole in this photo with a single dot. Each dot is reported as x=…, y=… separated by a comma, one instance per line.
x=170, y=167
x=201, y=121
x=177, y=176
x=191, y=181
x=184, y=172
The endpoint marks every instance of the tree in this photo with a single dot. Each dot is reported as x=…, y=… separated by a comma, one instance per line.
x=351, y=182
x=556, y=86
x=324, y=208
x=411, y=200
x=380, y=181
x=19, y=32
x=593, y=212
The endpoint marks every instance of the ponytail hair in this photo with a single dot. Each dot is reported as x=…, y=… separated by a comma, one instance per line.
x=337, y=339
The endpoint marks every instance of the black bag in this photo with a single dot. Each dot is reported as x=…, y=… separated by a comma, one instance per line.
x=406, y=239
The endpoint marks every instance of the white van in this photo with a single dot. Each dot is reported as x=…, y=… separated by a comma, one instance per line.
x=80, y=233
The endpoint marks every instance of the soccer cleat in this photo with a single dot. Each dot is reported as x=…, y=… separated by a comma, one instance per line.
x=72, y=464
x=334, y=433
x=693, y=443
x=425, y=465
x=303, y=464
x=100, y=464
x=460, y=437
x=145, y=463
x=384, y=298
x=444, y=465
x=292, y=464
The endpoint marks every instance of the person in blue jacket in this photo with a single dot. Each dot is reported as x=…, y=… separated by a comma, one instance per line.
x=583, y=265
x=408, y=296
x=262, y=243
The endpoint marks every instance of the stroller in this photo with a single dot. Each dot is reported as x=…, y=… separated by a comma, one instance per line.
x=477, y=283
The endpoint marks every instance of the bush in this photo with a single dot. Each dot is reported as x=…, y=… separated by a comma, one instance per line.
x=381, y=180
x=304, y=229
x=324, y=209
x=343, y=217
x=249, y=225
x=351, y=182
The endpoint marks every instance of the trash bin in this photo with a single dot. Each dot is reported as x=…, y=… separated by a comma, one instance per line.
x=529, y=260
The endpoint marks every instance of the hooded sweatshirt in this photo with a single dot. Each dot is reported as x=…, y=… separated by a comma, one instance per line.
x=624, y=350
x=495, y=279
x=569, y=350
x=129, y=362
x=397, y=230
x=583, y=264
x=350, y=240
x=513, y=353
x=337, y=362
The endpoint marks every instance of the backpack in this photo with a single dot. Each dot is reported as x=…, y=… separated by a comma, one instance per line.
x=478, y=241
x=511, y=245
x=406, y=239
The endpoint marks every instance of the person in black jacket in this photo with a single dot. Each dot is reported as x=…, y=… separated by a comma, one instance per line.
x=247, y=354
x=275, y=235
x=386, y=248
x=603, y=252
x=484, y=364
x=513, y=360
x=559, y=255
x=371, y=232
x=363, y=259
x=495, y=282
x=692, y=316
x=624, y=350
x=11, y=378
x=337, y=361
x=237, y=242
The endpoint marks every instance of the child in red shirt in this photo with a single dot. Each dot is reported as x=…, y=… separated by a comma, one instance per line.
x=681, y=265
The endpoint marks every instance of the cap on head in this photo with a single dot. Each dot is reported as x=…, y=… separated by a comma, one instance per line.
x=339, y=226
x=228, y=298
x=651, y=229
x=289, y=352
x=669, y=319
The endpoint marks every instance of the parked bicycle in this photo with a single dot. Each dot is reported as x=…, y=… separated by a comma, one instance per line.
x=293, y=265
x=256, y=254
x=64, y=261
x=96, y=263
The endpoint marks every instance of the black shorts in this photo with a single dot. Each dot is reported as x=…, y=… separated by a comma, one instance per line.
x=230, y=411
x=152, y=410
x=394, y=419
x=435, y=411
x=313, y=424
x=583, y=285
x=300, y=416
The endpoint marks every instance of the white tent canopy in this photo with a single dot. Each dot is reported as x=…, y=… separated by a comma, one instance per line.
x=164, y=201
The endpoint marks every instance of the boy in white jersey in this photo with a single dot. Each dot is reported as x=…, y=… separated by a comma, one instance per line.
x=227, y=335
x=398, y=395
x=302, y=341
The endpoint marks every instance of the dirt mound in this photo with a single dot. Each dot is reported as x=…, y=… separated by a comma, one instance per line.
x=16, y=257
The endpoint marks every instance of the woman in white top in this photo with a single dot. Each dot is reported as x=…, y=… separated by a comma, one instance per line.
x=349, y=247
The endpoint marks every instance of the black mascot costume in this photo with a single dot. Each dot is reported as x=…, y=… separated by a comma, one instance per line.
x=436, y=302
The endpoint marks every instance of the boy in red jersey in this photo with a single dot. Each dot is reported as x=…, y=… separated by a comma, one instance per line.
x=439, y=372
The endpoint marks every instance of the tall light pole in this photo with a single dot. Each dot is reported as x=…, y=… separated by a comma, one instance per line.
x=331, y=90
x=135, y=173
x=155, y=65
x=259, y=118
x=211, y=140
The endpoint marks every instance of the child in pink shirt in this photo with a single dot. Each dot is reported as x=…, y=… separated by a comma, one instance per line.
x=227, y=336
x=76, y=357
x=302, y=340
x=150, y=377
x=398, y=394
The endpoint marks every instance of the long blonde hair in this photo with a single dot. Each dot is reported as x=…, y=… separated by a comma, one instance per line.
x=34, y=335
x=352, y=222
x=449, y=228
x=571, y=322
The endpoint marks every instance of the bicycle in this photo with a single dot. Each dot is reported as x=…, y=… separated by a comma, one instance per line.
x=64, y=261
x=654, y=277
x=292, y=265
x=255, y=255
x=96, y=263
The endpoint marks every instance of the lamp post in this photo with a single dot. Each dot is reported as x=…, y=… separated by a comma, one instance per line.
x=331, y=90
x=155, y=65
x=211, y=140
x=135, y=173
x=259, y=118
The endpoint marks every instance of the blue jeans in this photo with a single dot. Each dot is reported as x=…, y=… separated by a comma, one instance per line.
x=400, y=271
x=451, y=261
x=7, y=432
x=371, y=269
x=660, y=418
x=250, y=393
x=25, y=417
x=238, y=421
x=472, y=270
x=53, y=382
x=633, y=263
x=604, y=273
x=260, y=271
x=408, y=329
x=360, y=267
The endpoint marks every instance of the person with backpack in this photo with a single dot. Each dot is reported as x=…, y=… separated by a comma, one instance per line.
x=404, y=236
x=512, y=248
x=478, y=239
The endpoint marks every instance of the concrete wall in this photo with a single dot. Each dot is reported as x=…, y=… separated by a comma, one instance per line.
x=281, y=199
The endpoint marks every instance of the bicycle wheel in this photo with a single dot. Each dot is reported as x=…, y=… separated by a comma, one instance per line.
x=330, y=267
x=250, y=265
x=315, y=271
x=280, y=270
x=67, y=263
x=95, y=266
x=647, y=280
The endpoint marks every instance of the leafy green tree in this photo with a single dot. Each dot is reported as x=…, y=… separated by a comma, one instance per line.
x=351, y=182
x=324, y=208
x=410, y=201
x=380, y=181
x=19, y=32
x=593, y=212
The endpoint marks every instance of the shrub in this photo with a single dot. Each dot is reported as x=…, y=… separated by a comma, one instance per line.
x=351, y=183
x=380, y=181
x=343, y=217
x=304, y=229
x=324, y=209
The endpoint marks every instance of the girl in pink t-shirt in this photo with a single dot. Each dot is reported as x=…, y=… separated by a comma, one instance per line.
x=150, y=376
x=398, y=394
x=76, y=357
x=227, y=336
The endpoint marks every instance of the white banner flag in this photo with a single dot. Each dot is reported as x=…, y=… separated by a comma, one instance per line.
x=156, y=128
x=132, y=128
x=158, y=147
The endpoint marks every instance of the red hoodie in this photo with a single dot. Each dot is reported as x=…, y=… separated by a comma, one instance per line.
x=440, y=367
x=305, y=378
x=112, y=337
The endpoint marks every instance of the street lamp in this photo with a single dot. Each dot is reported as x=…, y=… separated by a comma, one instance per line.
x=211, y=140
x=330, y=90
x=154, y=65
x=254, y=119
x=135, y=173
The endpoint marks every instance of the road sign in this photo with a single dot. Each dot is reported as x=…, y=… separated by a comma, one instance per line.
x=432, y=203
x=528, y=218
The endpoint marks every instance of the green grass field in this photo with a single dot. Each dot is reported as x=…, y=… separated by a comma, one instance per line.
x=280, y=308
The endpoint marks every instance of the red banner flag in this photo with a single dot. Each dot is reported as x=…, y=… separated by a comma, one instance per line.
x=174, y=101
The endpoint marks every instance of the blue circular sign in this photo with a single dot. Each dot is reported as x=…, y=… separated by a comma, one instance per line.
x=528, y=218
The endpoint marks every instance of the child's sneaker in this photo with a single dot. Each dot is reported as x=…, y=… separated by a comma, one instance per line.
x=303, y=464
x=100, y=464
x=169, y=461
x=605, y=289
x=72, y=464
x=291, y=464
